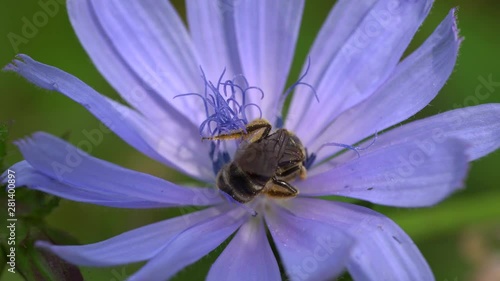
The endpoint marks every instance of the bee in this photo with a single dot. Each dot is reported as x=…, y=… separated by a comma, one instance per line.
x=263, y=163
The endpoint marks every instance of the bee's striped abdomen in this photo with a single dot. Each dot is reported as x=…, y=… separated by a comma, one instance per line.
x=233, y=181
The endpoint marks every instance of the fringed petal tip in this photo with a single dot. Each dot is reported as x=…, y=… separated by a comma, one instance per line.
x=17, y=62
x=456, y=31
x=10, y=67
x=24, y=65
x=20, y=143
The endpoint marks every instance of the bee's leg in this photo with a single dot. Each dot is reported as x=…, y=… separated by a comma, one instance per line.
x=254, y=131
x=291, y=172
x=279, y=188
x=258, y=129
x=230, y=136
x=288, y=173
x=303, y=173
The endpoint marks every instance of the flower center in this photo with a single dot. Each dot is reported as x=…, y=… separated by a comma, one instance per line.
x=226, y=105
x=264, y=160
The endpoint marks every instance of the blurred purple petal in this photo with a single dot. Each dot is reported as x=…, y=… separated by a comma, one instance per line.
x=247, y=257
x=30, y=177
x=402, y=174
x=309, y=250
x=266, y=35
x=136, y=245
x=382, y=250
x=176, y=144
x=190, y=245
x=478, y=126
x=413, y=84
x=356, y=50
x=144, y=51
x=65, y=163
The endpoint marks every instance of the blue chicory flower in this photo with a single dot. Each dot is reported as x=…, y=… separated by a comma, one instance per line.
x=148, y=55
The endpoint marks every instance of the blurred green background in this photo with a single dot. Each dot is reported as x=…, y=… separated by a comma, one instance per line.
x=459, y=237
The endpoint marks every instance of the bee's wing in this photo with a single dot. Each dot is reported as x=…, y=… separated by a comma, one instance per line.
x=294, y=152
x=262, y=158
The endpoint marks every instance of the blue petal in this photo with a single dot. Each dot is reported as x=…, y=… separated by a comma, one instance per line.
x=190, y=245
x=143, y=50
x=247, y=257
x=309, y=250
x=174, y=142
x=136, y=245
x=401, y=174
x=478, y=126
x=211, y=24
x=383, y=251
x=253, y=38
x=356, y=50
x=65, y=163
x=30, y=177
x=412, y=85
x=267, y=32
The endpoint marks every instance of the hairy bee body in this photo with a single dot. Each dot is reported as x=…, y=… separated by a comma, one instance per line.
x=238, y=184
x=263, y=163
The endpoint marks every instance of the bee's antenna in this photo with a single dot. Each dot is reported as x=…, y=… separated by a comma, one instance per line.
x=231, y=200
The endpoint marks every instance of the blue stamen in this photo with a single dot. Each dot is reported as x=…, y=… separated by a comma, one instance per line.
x=225, y=109
x=350, y=147
x=299, y=82
x=310, y=158
x=219, y=158
x=279, y=123
x=242, y=109
x=370, y=144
